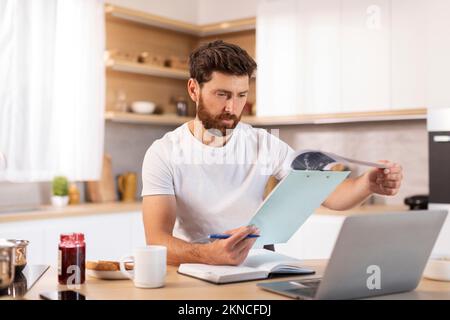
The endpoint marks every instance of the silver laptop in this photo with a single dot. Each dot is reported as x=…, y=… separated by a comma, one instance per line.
x=374, y=255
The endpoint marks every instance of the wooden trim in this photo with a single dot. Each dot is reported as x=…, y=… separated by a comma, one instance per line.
x=155, y=119
x=180, y=26
x=227, y=27
x=330, y=118
x=147, y=69
x=150, y=19
x=172, y=119
x=84, y=209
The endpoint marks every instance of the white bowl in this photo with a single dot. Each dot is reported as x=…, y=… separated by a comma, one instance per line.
x=438, y=268
x=143, y=107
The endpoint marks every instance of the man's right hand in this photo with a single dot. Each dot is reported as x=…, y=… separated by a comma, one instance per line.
x=234, y=250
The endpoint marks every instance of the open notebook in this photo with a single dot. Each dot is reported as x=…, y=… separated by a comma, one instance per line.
x=260, y=264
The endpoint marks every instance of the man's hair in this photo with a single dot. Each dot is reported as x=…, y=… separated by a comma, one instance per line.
x=220, y=56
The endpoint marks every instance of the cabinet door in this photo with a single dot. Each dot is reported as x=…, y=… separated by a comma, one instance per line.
x=298, y=52
x=137, y=230
x=408, y=53
x=319, y=56
x=276, y=52
x=365, y=55
x=437, y=46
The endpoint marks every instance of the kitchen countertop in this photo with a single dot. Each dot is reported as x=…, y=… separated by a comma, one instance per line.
x=86, y=209
x=182, y=287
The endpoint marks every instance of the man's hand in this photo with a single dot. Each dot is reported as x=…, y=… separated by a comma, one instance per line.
x=234, y=250
x=385, y=181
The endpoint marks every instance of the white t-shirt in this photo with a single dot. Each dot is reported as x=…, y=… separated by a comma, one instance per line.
x=216, y=188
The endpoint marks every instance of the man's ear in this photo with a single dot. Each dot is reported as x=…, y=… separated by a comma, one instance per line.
x=193, y=89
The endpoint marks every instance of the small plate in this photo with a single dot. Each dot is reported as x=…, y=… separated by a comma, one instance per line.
x=106, y=275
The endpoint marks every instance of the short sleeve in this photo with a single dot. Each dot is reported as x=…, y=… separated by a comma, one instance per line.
x=157, y=177
x=283, y=158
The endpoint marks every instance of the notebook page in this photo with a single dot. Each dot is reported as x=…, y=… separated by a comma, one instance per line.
x=269, y=261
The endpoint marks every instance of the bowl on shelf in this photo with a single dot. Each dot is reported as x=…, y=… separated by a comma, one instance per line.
x=143, y=107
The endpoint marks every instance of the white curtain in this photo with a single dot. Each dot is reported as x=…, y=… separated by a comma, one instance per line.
x=52, y=88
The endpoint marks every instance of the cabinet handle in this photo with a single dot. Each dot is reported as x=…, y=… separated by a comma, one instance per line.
x=441, y=138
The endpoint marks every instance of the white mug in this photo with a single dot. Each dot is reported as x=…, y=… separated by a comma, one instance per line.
x=149, y=266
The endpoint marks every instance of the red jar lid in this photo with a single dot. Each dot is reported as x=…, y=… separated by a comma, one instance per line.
x=71, y=237
x=78, y=237
x=65, y=237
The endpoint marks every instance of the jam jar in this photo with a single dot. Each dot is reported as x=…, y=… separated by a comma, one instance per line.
x=71, y=259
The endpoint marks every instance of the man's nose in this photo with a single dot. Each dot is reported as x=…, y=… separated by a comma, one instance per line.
x=230, y=105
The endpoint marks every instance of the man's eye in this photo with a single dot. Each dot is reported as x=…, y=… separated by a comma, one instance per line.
x=221, y=94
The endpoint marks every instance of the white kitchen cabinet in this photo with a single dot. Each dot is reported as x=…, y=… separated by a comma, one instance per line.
x=408, y=33
x=137, y=231
x=298, y=54
x=365, y=55
x=276, y=52
x=319, y=56
x=108, y=236
x=437, y=53
x=315, y=239
x=352, y=55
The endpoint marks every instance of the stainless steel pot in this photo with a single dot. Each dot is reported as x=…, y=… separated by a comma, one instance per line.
x=7, y=263
x=21, y=254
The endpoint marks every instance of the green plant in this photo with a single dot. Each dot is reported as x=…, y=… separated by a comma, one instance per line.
x=60, y=186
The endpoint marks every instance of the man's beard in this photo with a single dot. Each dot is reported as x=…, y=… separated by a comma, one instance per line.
x=215, y=122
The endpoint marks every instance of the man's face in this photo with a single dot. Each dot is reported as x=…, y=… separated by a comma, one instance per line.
x=221, y=101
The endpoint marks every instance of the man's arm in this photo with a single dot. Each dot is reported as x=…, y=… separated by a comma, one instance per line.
x=353, y=191
x=159, y=214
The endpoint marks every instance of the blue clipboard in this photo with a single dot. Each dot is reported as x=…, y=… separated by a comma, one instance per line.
x=291, y=202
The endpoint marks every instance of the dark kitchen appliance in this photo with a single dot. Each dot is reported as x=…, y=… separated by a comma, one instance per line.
x=439, y=155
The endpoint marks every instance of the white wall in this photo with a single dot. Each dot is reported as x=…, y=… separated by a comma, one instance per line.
x=183, y=10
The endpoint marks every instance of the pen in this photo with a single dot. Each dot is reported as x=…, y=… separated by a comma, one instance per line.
x=226, y=236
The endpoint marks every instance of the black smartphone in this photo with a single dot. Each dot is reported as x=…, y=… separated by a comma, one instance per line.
x=62, y=295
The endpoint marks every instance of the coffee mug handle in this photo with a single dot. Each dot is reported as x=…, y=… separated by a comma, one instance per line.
x=122, y=266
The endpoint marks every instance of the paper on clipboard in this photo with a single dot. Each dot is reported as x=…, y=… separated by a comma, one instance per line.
x=291, y=202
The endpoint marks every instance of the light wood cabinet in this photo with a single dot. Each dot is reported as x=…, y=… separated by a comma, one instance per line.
x=130, y=33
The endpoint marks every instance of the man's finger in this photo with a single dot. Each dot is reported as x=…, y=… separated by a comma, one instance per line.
x=240, y=235
x=395, y=169
x=244, y=245
x=394, y=177
x=391, y=184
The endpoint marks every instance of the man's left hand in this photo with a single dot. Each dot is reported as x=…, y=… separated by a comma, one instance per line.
x=385, y=181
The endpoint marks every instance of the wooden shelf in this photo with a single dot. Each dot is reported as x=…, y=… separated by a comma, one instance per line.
x=180, y=26
x=174, y=120
x=155, y=119
x=333, y=118
x=147, y=69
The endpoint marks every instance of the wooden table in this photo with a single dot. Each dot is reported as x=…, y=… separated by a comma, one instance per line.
x=180, y=287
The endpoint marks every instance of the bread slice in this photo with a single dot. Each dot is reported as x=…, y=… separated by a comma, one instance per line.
x=103, y=265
